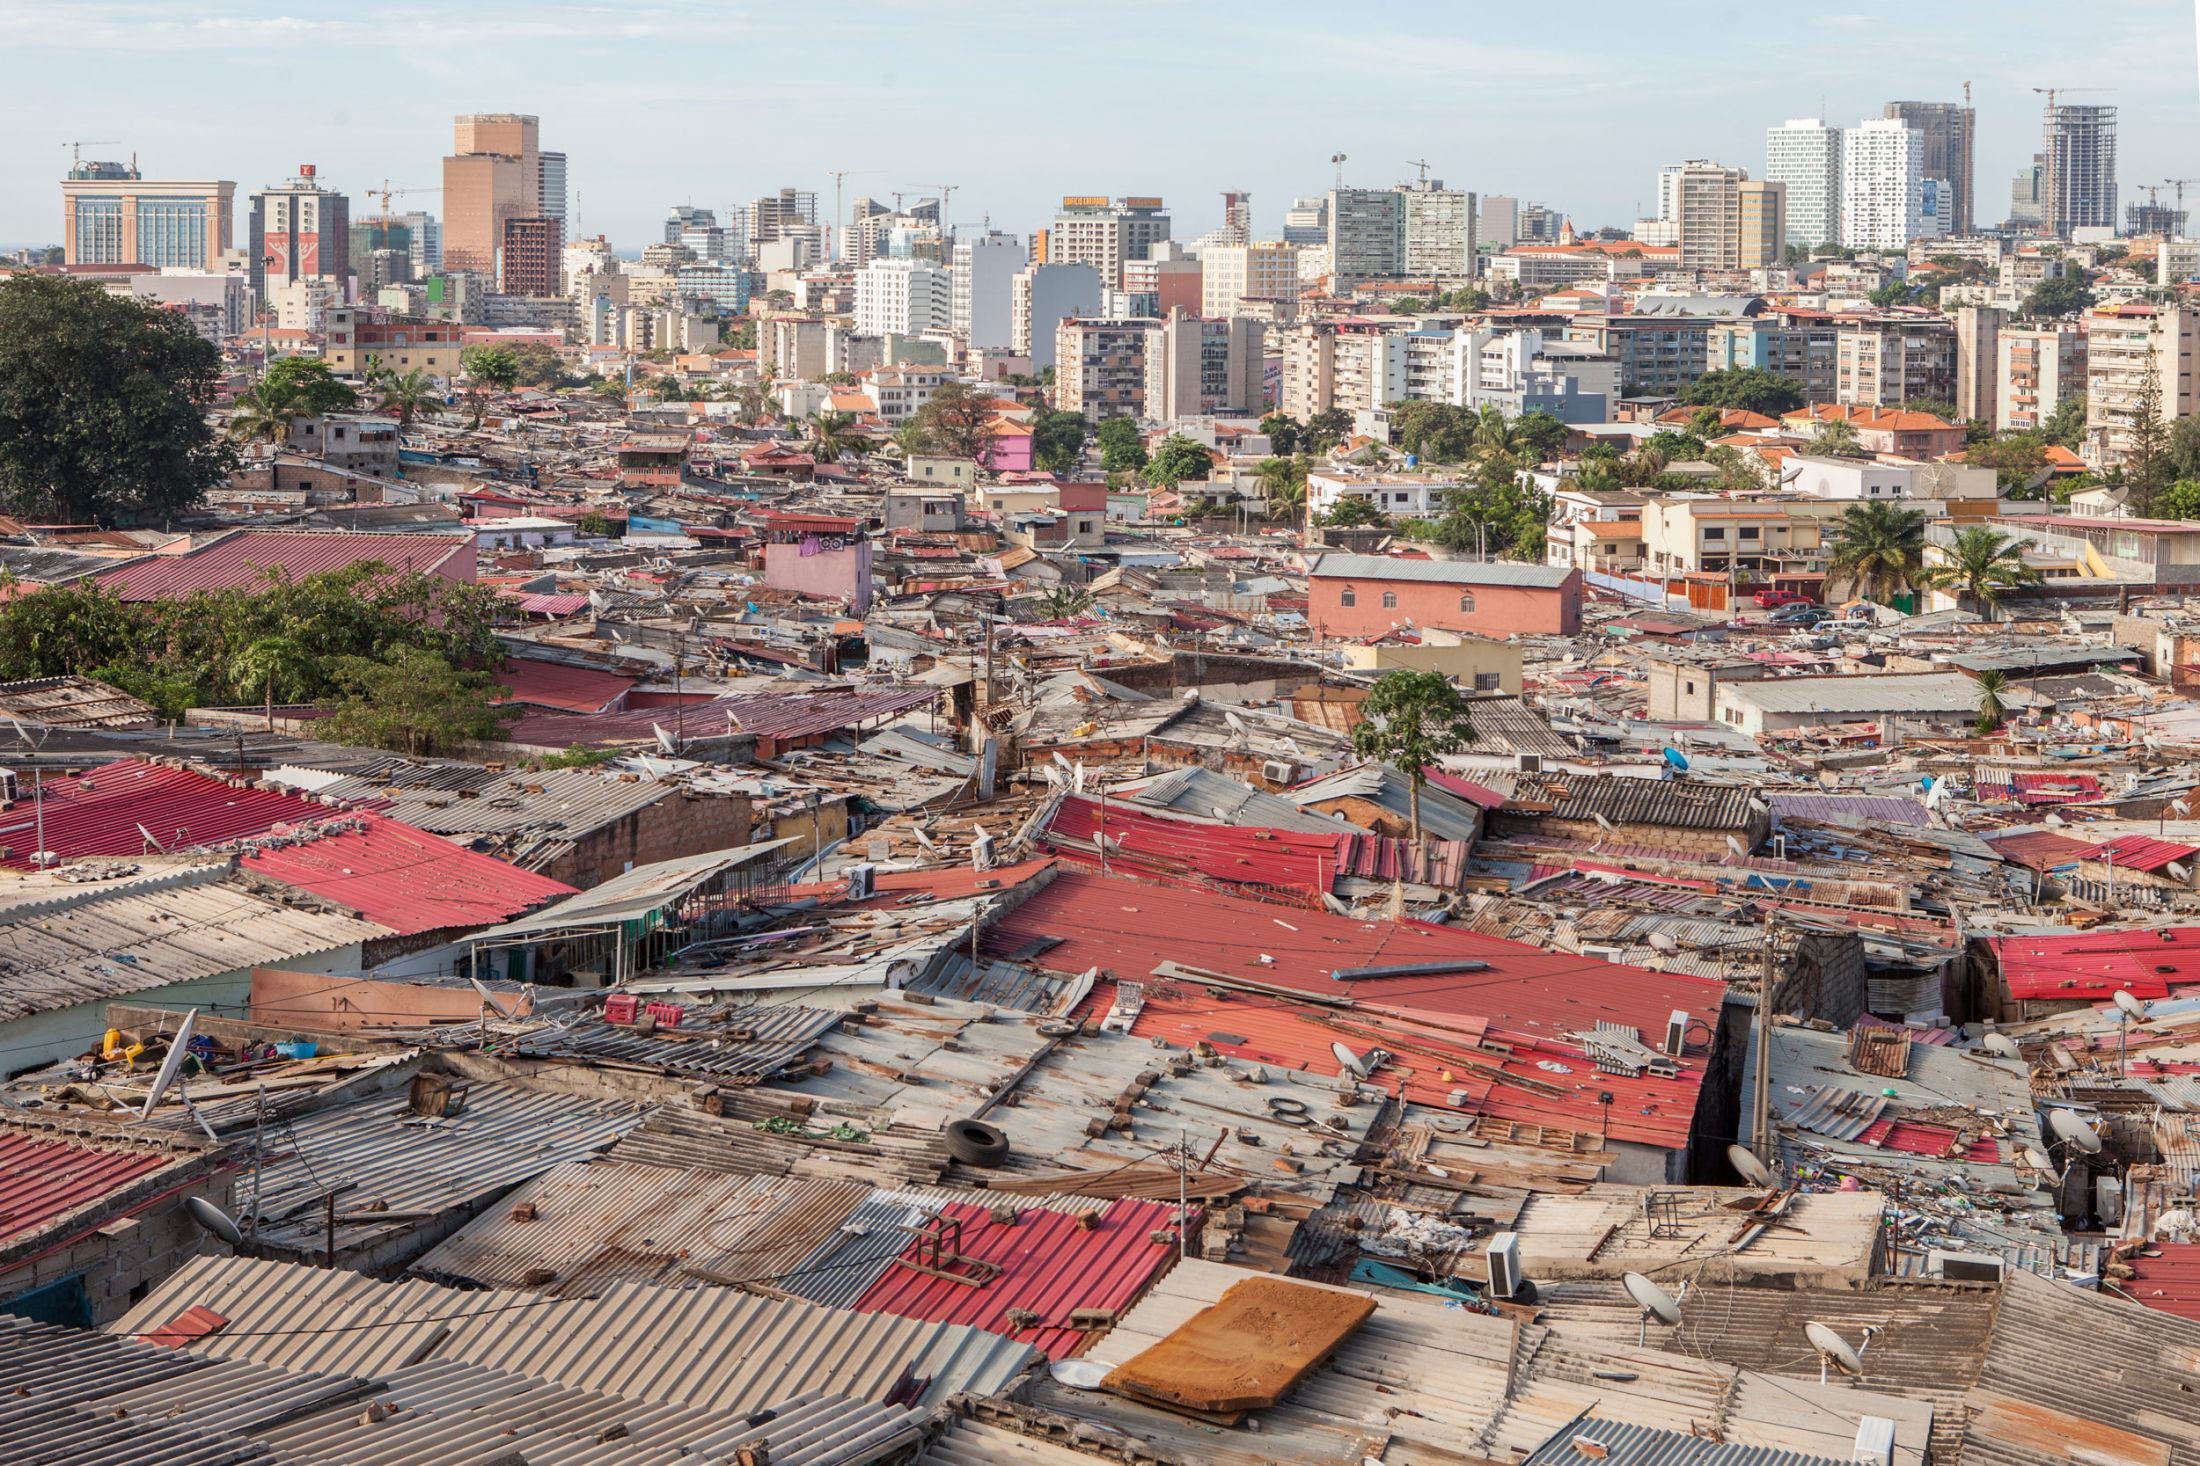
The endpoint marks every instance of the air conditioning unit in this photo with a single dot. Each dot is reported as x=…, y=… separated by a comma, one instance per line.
x=1874, y=1441
x=859, y=882
x=11, y=786
x=1964, y=1267
x=1602, y=953
x=1676, y=1032
x=1504, y=1259
x=1279, y=771
x=1529, y=763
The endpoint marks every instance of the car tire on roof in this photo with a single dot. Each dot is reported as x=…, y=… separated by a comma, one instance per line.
x=975, y=1143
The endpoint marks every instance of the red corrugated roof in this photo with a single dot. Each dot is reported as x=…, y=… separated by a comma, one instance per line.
x=99, y=811
x=1299, y=865
x=1932, y=1140
x=2091, y=966
x=2040, y=849
x=42, y=1181
x=2170, y=1282
x=1050, y=1265
x=243, y=558
x=2038, y=786
x=1465, y=788
x=556, y=685
x=2142, y=852
x=405, y=879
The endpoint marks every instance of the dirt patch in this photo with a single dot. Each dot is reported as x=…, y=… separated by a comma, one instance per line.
x=1244, y=1351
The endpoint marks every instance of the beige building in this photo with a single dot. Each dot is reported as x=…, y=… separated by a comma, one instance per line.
x=1103, y=233
x=1229, y=274
x=1887, y=363
x=110, y=215
x=1198, y=366
x=1480, y=663
x=2039, y=368
x=1761, y=206
x=2126, y=345
x=1352, y=366
x=1101, y=366
x=494, y=175
x=1723, y=536
x=1978, y=362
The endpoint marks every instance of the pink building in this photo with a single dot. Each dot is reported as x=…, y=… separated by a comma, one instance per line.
x=823, y=555
x=1355, y=597
x=1008, y=450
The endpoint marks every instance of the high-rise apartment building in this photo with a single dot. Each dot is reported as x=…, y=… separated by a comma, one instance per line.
x=1438, y=242
x=1237, y=218
x=1761, y=233
x=1103, y=233
x=1805, y=155
x=1978, y=359
x=298, y=231
x=425, y=233
x=1042, y=297
x=1700, y=202
x=1169, y=276
x=2127, y=347
x=1947, y=129
x=775, y=216
x=2028, y=195
x=529, y=256
x=493, y=174
x=903, y=298
x=2080, y=181
x=1230, y=274
x=1197, y=366
x=2039, y=369
x=1367, y=234
x=682, y=217
x=1100, y=366
x=982, y=280
x=1306, y=222
x=113, y=215
x=1882, y=185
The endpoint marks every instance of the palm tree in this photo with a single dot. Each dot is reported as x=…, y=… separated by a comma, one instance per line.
x=1597, y=478
x=832, y=435
x=1879, y=547
x=269, y=660
x=1283, y=484
x=408, y=396
x=1494, y=433
x=262, y=417
x=1642, y=467
x=1065, y=601
x=1991, y=684
x=1982, y=565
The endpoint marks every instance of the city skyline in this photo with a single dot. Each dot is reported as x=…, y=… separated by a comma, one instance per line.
x=800, y=98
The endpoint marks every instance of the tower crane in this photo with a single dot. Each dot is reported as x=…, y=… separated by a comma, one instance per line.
x=2179, y=185
x=385, y=193
x=1420, y=163
x=840, y=219
x=76, y=149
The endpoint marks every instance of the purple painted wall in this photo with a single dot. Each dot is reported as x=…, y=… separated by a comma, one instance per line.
x=843, y=574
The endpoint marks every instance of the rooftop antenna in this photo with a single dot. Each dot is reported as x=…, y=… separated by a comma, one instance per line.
x=1338, y=159
x=2128, y=1007
x=1834, y=1350
x=1747, y=1166
x=2074, y=1132
x=213, y=1220
x=166, y=1075
x=1654, y=1301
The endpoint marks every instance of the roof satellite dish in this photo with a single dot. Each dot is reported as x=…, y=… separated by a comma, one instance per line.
x=1758, y=806
x=2179, y=871
x=1834, y=1350
x=2073, y=1131
x=1734, y=847
x=177, y=1048
x=213, y=1220
x=2180, y=806
x=2130, y=1005
x=2002, y=1044
x=1663, y=942
x=1351, y=1061
x=1654, y=1301
x=1747, y=1166
x=1080, y=1374
x=2040, y=1161
x=664, y=739
x=489, y=999
x=1677, y=759
x=1602, y=823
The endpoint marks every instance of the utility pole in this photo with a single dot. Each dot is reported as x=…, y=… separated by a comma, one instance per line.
x=1760, y=1121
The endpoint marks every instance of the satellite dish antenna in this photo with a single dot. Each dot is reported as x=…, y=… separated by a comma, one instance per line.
x=1654, y=1301
x=2039, y=1161
x=2181, y=807
x=2131, y=1006
x=2072, y=1131
x=1677, y=759
x=177, y=1048
x=213, y=1220
x=152, y=840
x=2002, y=1044
x=489, y=999
x=1758, y=806
x=1080, y=1374
x=2178, y=871
x=1352, y=1062
x=1663, y=942
x=1747, y=1166
x=1734, y=847
x=664, y=740
x=1834, y=1350
x=1602, y=823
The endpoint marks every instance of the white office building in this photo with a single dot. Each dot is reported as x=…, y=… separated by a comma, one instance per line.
x=1229, y=274
x=903, y=298
x=1044, y=296
x=1882, y=185
x=1805, y=154
x=982, y=276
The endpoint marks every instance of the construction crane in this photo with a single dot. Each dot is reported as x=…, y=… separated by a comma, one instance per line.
x=1420, y=163
x=385, y=193
x=840, y=219
x=2179, y=185
x=76, y=149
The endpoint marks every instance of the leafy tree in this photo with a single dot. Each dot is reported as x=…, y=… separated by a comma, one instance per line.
x=1408, y=306
x=1738, y=471
x=1436, y=432
x=958, y=420
x=407, y=396
x=577, y=756
x=1283, y=432
x=1057, y=441
x=1991, y=685
x=1283, y=483
x=1982, y=565
x=1494, y=435
x=612, y=389
x=2147, y=465
x=257, y=418
x=1706, y=423
x=268, y=661
x=415, y=703
x=1879, y=547
x=1177, y=459
x=832, y=436
x=2065, y=426
x=743, y=336
x=1351, y=513
x=1498, y=514
x=1836, y=438
x=594, y=522
x=67, y=630
x=1122, y=446
x=754, y=397
x=1065, y=602
x=535, y=364
x=308, y=387
x=1542, y=435
x=1410, y=720
x=1938, y=407
x=1676, y=447
x=2181, y=500
x=2016, y=459
x=840, y=379
x=1324, y=430
x=1891, y=294
x=486, y=368
x=1748, y=389
x=671, y=389
x=1466, y=299
x=103, y=405
x=2062, y=295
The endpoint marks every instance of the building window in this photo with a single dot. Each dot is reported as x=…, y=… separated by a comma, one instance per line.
x=1714, y=534
x=1348, y=597
x=1466, y=602
x=1390, y=600
x=1749, y=531
x=1486, y=682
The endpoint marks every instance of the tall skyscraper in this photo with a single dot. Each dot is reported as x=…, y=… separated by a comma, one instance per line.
x=550, y=186
x=1367, y=234
x=682, y=217
x=1882, y=185
x=1761, y=235
x=1805, y=155
x=1948, y=129
x=1438, y=242
x=1237, y=218
x=903, y=298
x=113, y=215
x=1700, y=203
x=2028, y=194
x=774, y=216
x=981, y=277
x=2080, y=183
x=493, y=174
x=298, y=231
x=1102, y=232
x=530, y=255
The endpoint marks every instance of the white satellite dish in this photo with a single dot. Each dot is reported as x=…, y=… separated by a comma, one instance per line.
x=1654, y=1301
x=1080, y=1374
x=2040, y=1161
x=1834, y=1350
x=177, y=1048
x=2073, y=1131
x=1747, y=1166
x=1758, y=806
x=2181, y=807
x=2130, y=1005
x=1602, y=823
x=664, y=739
x=1734, y=847
x=2002, y=1044
x=489, y=999
x=1351, y=1061
x=213, y=1219
x=2178, y=871
x=1663, y=942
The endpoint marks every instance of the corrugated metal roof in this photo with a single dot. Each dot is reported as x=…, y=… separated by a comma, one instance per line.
x=1441, y=572
x=301, y=1318
x=1050, y=1264
x=539, y=806
x=742, y=1044
x=1678, y=804
x=561, y=685
x=100, y=812
x=1622, y=1444
x=1891, y=809
x=242, y=558
x=2092, y=966
x=782, y=716
x=1841, y=697
x=634, y=894
x=43, y=1181
x=73, y=702
x=1209, y=795
x=2166, y=1277
x=400, y=877
x=1443, y=816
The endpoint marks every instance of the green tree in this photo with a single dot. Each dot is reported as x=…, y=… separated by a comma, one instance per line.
x=2016, y=458
x=1283, y=484
x=414, y=703
x=1983, y=565
x=1467, y=299
x=536, y=364
x=407, y=396
x=832, y=436
x=2147, y=465
x=1122, y=446
x=1991, y=685
x=1282, y=431
x=1351, y=513
x=743, y=335
x=1410, y=720
x=1057, y=441
x=594, y=522
x=2181, y=500
x=307, y=386
x=1747, y=389
x=487, y=368
x=958, y=420
x=1891, y=294
x=103, y=404
x=67, y=630
x=1177, y=459
x=255, y=417
x=1066, y=602
x=1543, y=435
x=1500, y=514
x=1878, y=547
x=2062, y=295
x=1676, y=447
x=1324, y=430
x=840, y=379
x=1494, y=434
x=2065, y=426
x=269, y=661
x=1836, y=438
x=1706, y=423
x=1435, y=432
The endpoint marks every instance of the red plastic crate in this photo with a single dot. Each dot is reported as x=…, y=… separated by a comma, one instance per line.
x=668, y=1015
x=620, y=1008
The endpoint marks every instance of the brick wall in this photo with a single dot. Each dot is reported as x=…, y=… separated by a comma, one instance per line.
x=680, y=824
x=121, y=1260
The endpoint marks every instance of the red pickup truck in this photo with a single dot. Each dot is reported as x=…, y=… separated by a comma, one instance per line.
x=1772, y=600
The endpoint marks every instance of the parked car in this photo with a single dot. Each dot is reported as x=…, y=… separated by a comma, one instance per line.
x=1772, y=600
x=1795, y=613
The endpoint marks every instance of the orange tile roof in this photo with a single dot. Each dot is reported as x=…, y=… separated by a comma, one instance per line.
x=1877, y=419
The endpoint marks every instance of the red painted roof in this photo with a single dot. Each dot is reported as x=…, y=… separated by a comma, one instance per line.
x=405, y=879
x=1932, y=1140
x=2039, y=786
x=42, y=1181
x=2040, y=849
x=2093, y=965
x=1295, y=864
x=2170, y=1282
x=1465, y=788
x=98, y=812
x=1049, y=1264
x=570, y=689
x=2142, y=852
x=242, y=559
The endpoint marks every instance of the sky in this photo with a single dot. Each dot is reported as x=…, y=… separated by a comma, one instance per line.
x=1018, y=102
